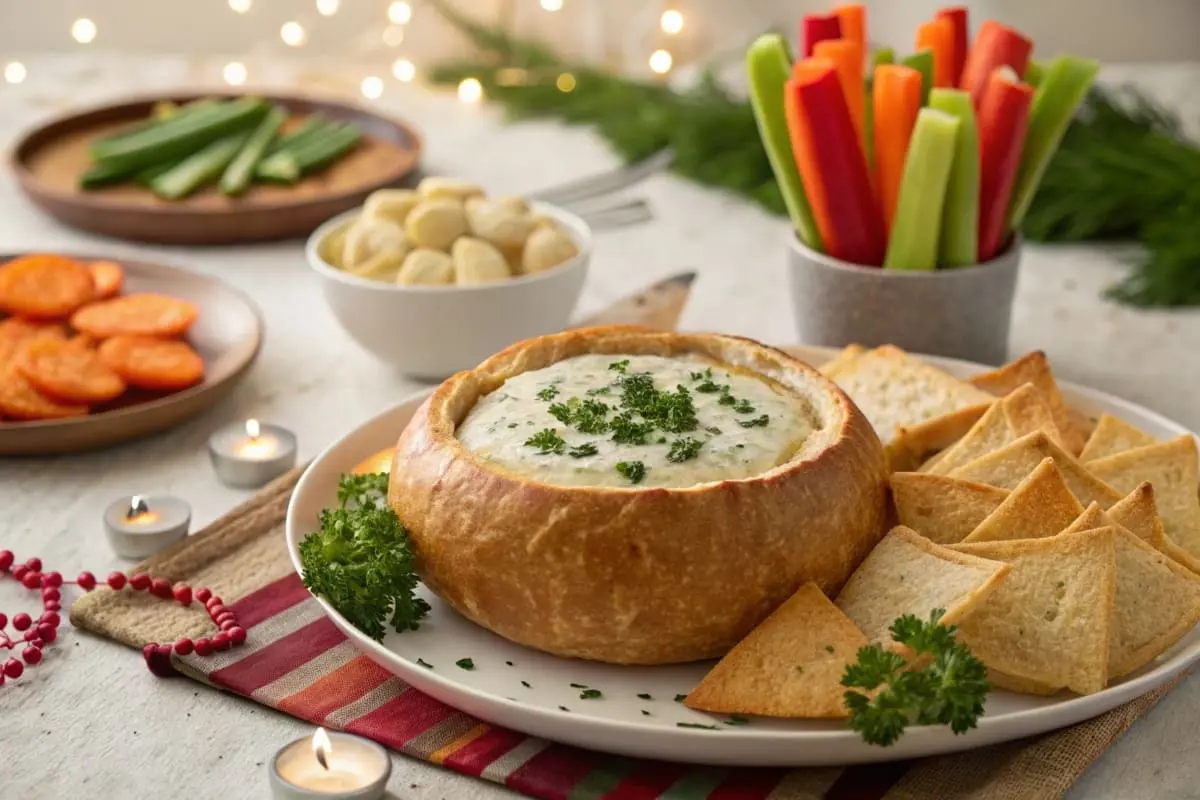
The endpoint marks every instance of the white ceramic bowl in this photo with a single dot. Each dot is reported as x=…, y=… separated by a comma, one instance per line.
x=435, y=331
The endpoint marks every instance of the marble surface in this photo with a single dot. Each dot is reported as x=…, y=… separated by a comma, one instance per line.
x=92, y=718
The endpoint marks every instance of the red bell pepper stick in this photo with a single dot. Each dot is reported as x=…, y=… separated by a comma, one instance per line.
x=995, y=46
x=896, y=92
x=852, y=18
x=957, y=17
x=831, y=164
x=937, y=36
x=817, y=28
x=1003, y=122
x=847, y=58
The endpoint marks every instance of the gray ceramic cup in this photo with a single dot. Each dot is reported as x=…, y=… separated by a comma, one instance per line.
x=960, y=313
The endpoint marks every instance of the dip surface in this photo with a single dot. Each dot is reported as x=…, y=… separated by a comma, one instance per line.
x=637, y=422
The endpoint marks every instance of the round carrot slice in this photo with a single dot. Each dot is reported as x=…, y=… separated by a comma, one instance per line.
x=155, y=364
x=16, y=329
x=20, y=401
x=135, y=315
x=44, y=286
x=107, y=278
x=67, y=373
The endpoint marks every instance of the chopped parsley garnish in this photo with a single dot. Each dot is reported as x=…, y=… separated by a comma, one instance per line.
x=708, y=387
x=829, y=648
x=727, y=400
x=699, y=376
x=645, y=713
x=679, y=698
x=465, y=663
x=698, y=726
x=509, y=663
x=560, y=412
x=563, y=708
x=714, y=430
x=582, y=450
x=626, y=431
x=619, y=366
x=633, y=471
x=645, y=696
x=579, y=686
x=512, y=424
x=743, y=407
x=757, y=422
x=599, y=390
x=662, y=440
x=590, y=694
x=588, y=416
x=684, y=450
x=526, y=684
x=423, y=663
x=549, y=393
x=546, y=441
x=737, y=719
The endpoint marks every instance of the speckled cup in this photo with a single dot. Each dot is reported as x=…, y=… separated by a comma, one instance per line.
x=960, y=313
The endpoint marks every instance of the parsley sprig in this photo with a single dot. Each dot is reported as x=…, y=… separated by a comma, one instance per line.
x=361, y=560
x=944, y=685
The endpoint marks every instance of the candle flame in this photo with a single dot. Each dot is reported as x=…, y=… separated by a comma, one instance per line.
x=137, y=507
x=252, y=428
x=322, y=747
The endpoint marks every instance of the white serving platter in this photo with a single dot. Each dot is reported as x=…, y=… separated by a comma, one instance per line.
x=539, y=694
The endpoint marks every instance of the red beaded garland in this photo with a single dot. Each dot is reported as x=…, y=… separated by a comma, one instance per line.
x=39, y=633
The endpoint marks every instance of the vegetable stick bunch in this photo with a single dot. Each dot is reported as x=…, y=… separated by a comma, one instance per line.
x=917, y=162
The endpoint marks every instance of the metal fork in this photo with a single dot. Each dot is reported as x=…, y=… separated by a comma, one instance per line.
x=620, y=215
x=604, y=183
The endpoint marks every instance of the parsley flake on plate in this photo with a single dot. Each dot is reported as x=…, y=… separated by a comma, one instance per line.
x=465, y=663
x=590, y=694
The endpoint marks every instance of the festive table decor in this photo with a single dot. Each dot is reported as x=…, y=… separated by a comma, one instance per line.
x=337, y=766
x=1123, y=170
x=251, y=454
x=139, y=526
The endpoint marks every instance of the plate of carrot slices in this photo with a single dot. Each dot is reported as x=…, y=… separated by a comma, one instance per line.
x=95, y=351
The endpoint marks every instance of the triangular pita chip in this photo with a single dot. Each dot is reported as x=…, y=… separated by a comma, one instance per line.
x=913, y=443
x=1049, y=620
x=1035, y=368
x=908, y=574
x=942, y=509
x=1026, y=411
x=1041, y=505
x=791, y=665
x=1009, y=465
x=1092, y=517
x=831, y=368
x=1112, y=436
x=991, y=432
x=1171, y=467
x=1157, y=602
x=1138, y=514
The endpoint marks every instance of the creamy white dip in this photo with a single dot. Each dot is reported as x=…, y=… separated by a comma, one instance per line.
x=722, y=424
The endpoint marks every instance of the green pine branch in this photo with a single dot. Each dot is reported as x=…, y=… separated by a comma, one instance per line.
x=1124, y=170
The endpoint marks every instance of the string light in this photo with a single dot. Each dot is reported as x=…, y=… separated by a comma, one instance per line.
x=372, y=87
x=671, y=22
x=660, y=61
x=327, y=8
x=83, y=30
x=240, y=6
x=393, y=35
x=14, y=72
x=565, y=82
x=470, y=91
x=292, y=34
x=552, y=5
x=234, y=73
x=399, y=12
x=403, y=70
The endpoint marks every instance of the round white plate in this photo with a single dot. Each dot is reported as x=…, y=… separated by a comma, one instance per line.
x=637, y=714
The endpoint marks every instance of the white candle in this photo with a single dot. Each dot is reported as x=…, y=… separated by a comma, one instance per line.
x=249, y=454
x=140, y=526
x=330, y=765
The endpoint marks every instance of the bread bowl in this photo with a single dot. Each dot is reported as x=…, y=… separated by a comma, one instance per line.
x=579, y=559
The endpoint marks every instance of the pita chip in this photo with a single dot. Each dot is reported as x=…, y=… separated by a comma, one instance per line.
x=791, y=665
x=1092, y=517
x=1039, y=506
x=1034, y=368
x=991, y=432
x=913, y=443
x=1009, y=465
x=908, y=574
x=1026, y=411
x=1049, y=620
x=1112, y=436
x=1171, y=467
x=831, y=368
x=943, y=510
x=1138, y=514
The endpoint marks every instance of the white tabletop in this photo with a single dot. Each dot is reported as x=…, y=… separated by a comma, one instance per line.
x=92, y=717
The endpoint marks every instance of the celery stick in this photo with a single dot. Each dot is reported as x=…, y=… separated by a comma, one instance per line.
x=769, y=65
x=1063, y=86
x=1034, y=72
x=199, y=168
x=959, y=245
x=239, y=172
x=884, y=55
x=915, y=230
x=922, y=62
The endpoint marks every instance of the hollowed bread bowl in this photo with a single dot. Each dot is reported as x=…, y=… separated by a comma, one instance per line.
x=635, y=575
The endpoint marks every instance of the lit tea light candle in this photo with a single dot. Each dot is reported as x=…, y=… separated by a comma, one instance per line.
x=140, y=526
x=330, y=765
x=247, y=455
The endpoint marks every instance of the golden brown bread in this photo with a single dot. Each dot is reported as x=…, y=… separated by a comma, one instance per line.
x=628, y=575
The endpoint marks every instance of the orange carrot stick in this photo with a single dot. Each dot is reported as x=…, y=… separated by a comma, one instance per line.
x=995, y=46
x=957, y=17
x=853, y=20
x=938, y=36
x=896, y=101
x=847, y=58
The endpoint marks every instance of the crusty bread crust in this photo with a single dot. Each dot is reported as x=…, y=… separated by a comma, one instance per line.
x=628, y=575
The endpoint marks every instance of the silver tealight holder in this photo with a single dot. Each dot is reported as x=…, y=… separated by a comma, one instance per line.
x=333, y=766
x=140, y=526
x=250, y=454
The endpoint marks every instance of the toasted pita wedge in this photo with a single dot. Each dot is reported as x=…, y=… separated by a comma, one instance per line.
x=1049, y=621
x=991, y=432
x=943, y=510
x=1157, y=602
x=1171, y=467
x=908, y=574
x=842, y=360
x=1112, y=436
x=914, y=443
x=1035, y=368
x=1027, y=412
x=1009, y=465
x=1092, y=517
x=1138, y=513
x=789, y=666
x=1041, y=505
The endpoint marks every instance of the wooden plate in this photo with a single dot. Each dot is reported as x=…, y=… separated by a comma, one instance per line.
x=227, y=335
x=49, y=160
